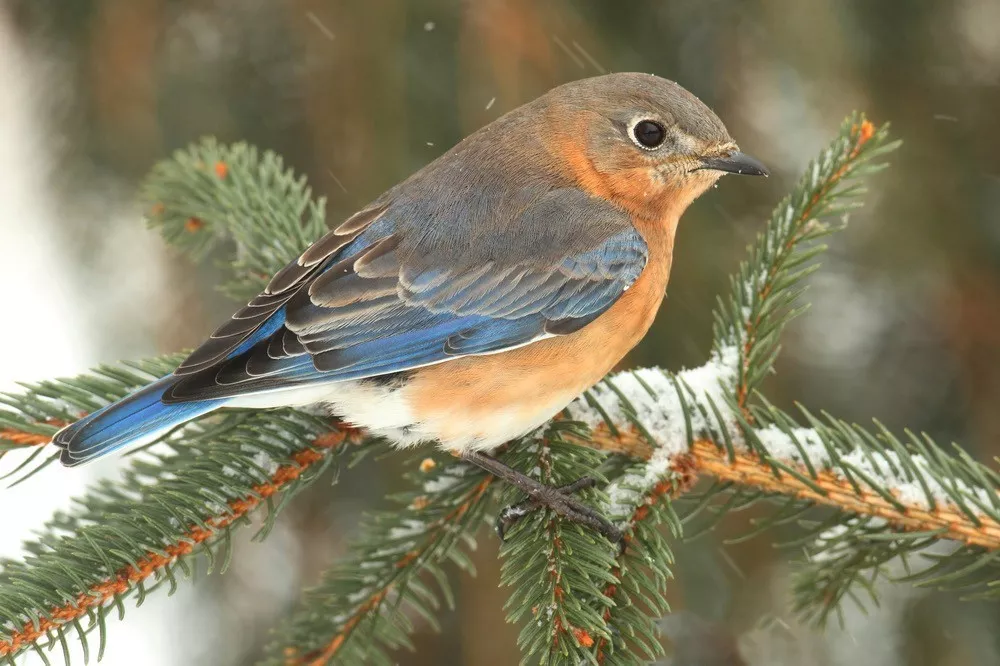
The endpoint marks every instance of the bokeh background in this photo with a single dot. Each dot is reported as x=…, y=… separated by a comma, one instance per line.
x=905, y=317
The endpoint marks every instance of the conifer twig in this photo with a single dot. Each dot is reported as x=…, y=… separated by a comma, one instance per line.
x=376, y=597
x=796, y=230
x=557, y=570
x=645, y=516
x=26, y=438
x=706, y=458
x=709, y=459
x=100, y=594
x=356, y=613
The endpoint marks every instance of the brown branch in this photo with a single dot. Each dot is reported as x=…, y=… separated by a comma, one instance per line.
x=706, y=458
x=26, y=438
x=151, y=563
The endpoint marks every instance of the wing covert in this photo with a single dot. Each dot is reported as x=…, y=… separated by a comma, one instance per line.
x=383, y=294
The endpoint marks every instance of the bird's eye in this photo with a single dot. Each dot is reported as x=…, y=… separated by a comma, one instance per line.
x=649, y=134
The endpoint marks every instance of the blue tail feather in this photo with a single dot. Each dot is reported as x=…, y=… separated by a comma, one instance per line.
x=136, y=419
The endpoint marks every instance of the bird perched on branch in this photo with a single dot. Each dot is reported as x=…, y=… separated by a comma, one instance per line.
x=472, y=302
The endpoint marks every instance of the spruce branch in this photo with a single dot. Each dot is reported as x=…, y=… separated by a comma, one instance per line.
x=902, y=497
x=641, y=572
x=211, y=194
x=765, y=289
x=154, y=566
x=790, y=477
x=663, y=415
x=16, y=438
x=206, y=196
x=126, y=538
x=712, y=422
x=558, y=571
x=364, y=605
x=129, y=537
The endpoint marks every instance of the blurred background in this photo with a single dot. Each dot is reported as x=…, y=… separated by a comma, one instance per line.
x=905, y=317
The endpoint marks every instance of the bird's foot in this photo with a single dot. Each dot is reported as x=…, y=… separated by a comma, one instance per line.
x=540, y=495
x=559, y=500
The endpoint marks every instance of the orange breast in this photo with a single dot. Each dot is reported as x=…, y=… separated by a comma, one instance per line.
x=483, y=401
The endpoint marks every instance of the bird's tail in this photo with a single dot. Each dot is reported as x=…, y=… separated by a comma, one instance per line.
x=135, y=419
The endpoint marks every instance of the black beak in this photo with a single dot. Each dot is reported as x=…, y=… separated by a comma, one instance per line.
x=736, y=162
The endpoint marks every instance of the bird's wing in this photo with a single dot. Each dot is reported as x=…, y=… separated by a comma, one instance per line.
x=380, y=295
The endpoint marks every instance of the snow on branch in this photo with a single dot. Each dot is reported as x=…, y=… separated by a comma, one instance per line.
x=915, y=487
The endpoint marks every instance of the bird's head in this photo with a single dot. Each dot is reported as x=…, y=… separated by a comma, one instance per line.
x=641, y=141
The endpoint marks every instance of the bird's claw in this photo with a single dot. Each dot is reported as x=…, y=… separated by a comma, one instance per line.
x=559, y=500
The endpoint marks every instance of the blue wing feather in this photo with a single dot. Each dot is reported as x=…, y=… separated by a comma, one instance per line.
x=445, y=305
x=140, y=417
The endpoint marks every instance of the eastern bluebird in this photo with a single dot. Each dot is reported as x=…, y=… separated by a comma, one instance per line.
x=472, y=302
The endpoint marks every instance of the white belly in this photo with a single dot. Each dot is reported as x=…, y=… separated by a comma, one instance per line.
x=385, y=410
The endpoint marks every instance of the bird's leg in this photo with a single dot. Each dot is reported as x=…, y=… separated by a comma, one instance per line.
x=539, y=495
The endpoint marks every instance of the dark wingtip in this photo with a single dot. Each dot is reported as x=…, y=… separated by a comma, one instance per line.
x=68, y=460
x=63, y=438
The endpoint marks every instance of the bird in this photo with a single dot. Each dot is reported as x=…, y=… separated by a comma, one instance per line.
x=472, y=302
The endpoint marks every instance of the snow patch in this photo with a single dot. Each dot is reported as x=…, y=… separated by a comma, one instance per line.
x=653, y=397
x=650, y=398
x=885, y=467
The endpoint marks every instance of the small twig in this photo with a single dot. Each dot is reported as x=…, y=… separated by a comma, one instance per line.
x=862, y=134
x=371, y=604
x=26, y=438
